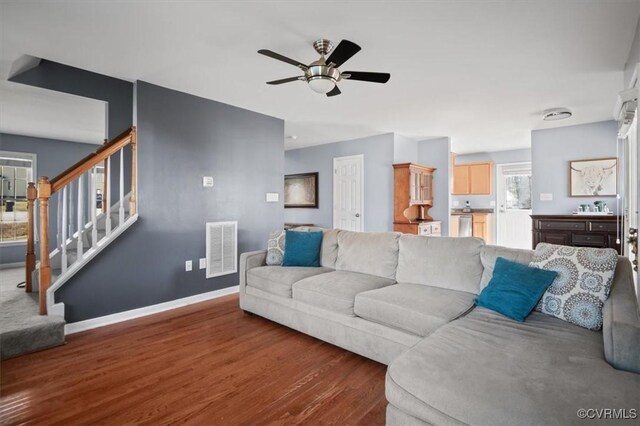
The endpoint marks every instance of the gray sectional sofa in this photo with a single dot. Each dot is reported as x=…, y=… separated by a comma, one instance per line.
x=408, y=302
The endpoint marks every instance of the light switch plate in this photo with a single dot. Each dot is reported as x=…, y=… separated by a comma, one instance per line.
x=188, y=265
x=546, y=196
x=203, y=263
x=273, y=197
x=207, y=181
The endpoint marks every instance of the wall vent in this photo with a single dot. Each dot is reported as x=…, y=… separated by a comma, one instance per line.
x=222, y=248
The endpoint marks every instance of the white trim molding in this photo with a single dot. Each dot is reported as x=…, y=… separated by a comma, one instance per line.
x=76, y=327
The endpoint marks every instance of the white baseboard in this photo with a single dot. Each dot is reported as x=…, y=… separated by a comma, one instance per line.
x=76, y=327
x=12, y=265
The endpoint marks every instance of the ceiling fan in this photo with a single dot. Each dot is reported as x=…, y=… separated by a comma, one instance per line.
x=323, y=74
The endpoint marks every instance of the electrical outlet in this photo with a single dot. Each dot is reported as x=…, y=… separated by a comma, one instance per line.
x=492, y=203
x=456, y=203
x=203, y=263
x=188, y=265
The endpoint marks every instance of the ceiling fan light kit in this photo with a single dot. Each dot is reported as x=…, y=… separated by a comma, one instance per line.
x=323, y=75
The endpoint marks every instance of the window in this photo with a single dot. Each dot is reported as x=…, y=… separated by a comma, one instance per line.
x=518, y=192
x=16, y=171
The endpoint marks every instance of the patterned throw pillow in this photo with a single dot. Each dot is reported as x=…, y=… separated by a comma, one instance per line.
x=275, y=248
x=584, y=279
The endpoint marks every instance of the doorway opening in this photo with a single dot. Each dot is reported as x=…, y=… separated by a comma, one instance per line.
x=514, y=205
x=348, y=193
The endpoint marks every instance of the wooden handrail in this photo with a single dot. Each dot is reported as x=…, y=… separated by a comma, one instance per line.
x=47, y=187
x=91, y=160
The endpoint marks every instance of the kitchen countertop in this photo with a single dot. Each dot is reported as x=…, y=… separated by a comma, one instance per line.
x=482, y=211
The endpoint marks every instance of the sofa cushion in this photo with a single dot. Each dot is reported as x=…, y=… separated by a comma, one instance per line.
x=416, y=308
x=583, y=283
x=486, y=369
x=373, y=253
x=329, y=249
x=336, y=291
x=279, y=279
x=452, y=263
x=515, y=289
x=489, y=254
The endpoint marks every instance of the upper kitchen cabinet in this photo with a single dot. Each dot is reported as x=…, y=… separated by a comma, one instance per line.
x=472, y=179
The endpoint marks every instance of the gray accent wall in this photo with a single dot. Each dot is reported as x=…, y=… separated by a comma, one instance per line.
x=378, y=154
x=437, y=153
x=182, y=138
x=551, y=151
x=52, y=158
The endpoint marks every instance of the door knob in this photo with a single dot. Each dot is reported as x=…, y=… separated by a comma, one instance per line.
x=357, y=214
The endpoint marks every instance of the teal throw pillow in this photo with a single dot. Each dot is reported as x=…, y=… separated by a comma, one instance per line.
x=302, y=248
x=515, y=289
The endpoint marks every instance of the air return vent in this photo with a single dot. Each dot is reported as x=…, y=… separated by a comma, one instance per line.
x=222, y=248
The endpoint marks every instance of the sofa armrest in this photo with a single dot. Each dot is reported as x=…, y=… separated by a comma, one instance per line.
x=250, y=260
x=621, y=321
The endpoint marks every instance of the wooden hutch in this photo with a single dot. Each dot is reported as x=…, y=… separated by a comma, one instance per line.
x=412, y=196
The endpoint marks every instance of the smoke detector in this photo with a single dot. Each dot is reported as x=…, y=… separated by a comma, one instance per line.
x=555, y=114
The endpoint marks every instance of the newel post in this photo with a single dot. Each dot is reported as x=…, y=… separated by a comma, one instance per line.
x=32, y=194
x=134, y=175
x=44, y=192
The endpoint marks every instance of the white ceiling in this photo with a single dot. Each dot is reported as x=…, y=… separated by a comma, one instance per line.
x=480, y=72
x=32, y=111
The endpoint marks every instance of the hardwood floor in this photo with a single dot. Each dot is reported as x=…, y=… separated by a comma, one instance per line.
x=205, y=364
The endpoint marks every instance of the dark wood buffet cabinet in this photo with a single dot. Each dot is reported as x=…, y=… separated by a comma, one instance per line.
x=577, y=230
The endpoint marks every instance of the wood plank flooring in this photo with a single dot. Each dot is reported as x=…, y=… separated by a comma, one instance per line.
x=204, y=364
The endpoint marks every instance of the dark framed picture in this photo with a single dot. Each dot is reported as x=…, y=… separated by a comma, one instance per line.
x=597, y=177
x=301, y=190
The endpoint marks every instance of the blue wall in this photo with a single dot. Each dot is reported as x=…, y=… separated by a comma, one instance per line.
x=437, y=153
x=53, y=157
x=378, y=180
x=551, y=151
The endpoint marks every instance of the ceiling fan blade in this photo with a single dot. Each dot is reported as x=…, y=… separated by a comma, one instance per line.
x=343, y=52
x=373, y=77
x=279, y=57
x=334, y=92
x=284, y=80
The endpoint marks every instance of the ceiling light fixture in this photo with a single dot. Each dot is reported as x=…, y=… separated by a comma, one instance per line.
x=555, y=114
x=322, y=84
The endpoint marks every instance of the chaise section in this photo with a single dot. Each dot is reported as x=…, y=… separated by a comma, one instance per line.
x=336, y=291
x=486, y=369
x=278, y=279
x=416, y=308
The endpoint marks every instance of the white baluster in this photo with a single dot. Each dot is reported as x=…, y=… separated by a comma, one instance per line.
x=107, y=196
x=121, y=210
x=80, y=218
x=94, y=202
x=58, y=219
x=65, y=228
x=71, y=209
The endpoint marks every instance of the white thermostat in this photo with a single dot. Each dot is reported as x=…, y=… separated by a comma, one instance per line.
x=207, y=181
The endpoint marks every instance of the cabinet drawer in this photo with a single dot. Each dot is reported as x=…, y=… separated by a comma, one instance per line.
x=591, y=240
x=562, y=225
x=424, y=230
x=435, y=229
x=603, y=226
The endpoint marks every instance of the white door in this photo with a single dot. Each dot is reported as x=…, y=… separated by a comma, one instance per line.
x=348, y=193
x=514, y=205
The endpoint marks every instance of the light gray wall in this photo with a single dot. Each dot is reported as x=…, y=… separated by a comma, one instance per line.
x=634, y=57
x=551, y=151
x=378, y=154
x=405, y=150
x=437, y=153
x=497, y=157
x=53, y=157
x=242, y=150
